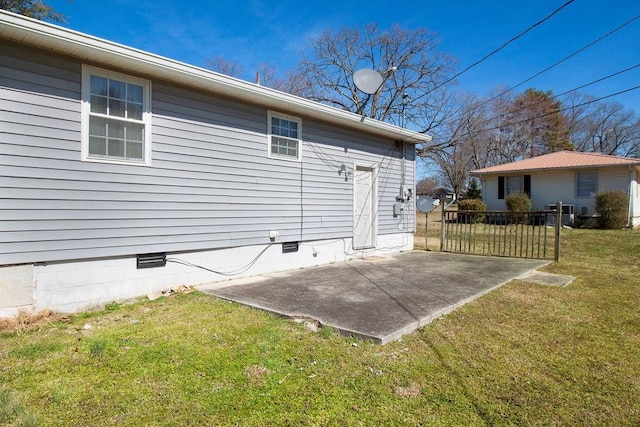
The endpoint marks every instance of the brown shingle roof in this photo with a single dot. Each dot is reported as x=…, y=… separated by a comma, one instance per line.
x=560, y=160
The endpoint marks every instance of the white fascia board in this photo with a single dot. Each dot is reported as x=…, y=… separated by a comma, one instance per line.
x=98, y=51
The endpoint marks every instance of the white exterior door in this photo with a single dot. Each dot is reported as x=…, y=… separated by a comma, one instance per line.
x=364, y=208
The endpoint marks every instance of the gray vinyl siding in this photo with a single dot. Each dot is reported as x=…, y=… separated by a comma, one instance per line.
x=210, y=183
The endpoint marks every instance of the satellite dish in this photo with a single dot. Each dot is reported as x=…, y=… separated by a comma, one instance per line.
x=368, y=80
x=426, y=204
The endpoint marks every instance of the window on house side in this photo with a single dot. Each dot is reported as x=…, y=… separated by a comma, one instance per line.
x=586, y=184
x=284, y=136
x=116, y=117
x=515, y=184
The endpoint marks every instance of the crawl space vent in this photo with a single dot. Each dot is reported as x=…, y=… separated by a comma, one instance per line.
x=151, y=260
x=290, y=247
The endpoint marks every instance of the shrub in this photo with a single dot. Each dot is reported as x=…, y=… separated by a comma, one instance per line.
x=612, y=209
x=518, y=203
x=471, y=205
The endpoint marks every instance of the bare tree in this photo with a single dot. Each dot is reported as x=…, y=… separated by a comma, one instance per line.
x=408, y=60
x=427, y=186
x=293, y=82
x=37, y=9
x=468, y=144
x=224, y=66
x=608, y=128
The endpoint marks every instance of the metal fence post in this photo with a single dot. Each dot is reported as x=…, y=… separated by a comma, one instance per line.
x=558, y=227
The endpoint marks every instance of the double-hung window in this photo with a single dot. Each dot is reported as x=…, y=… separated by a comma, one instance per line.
x=515, y=184
x=586, y=184
x=116, y=118
x=285, y=134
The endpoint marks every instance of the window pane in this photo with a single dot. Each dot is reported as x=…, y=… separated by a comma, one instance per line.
x=135, y=132
x=98, y=85
x=116, y=108
x=117, y=89
x=134, y=93
x=293, y=130
x=116, y=129
x=97, y=126
x=98, y=104
x=134, y=150
x=134, y=111
x=97, y=146
x=115, y=148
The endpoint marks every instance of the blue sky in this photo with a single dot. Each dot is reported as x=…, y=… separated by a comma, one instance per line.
x=251, y=32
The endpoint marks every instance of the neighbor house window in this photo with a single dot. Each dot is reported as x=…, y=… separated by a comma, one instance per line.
x=586, y=184
x=515, y=184
x=116, y=118
x=284, y=136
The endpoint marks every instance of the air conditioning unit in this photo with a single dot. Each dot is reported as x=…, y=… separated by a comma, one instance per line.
x=568, y=214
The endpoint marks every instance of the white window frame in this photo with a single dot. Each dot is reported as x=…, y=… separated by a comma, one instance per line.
x=298, y=121
x=595, y=184
x=87, y=72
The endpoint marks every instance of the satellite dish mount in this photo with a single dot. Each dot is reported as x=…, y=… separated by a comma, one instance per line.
x=427, y=204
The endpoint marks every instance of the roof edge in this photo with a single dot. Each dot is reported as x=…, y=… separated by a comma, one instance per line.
x=506, y=172
x=86, y=47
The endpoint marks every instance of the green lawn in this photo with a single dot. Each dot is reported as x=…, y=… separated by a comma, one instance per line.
x=523, y=355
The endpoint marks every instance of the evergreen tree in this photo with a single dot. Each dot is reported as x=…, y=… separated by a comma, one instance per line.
x=474, y=191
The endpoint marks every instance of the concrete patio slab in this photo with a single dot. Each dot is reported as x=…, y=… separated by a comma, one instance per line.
x=380, y=298
x=550, y=279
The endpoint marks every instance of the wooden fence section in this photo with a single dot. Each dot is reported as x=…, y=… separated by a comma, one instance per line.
x=533, y=234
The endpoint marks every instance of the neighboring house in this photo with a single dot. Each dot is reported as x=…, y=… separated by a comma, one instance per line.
x=113, y=159
x=570, y=177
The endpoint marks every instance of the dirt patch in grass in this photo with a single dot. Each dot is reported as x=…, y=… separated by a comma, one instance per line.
x=412, y=391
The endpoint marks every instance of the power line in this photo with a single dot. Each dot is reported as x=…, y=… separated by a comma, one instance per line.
x=503, y=45
x=617, y=73
x=563, y=59
x=591, y=101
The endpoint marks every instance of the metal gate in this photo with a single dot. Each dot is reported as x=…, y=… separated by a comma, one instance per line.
x=532, y=234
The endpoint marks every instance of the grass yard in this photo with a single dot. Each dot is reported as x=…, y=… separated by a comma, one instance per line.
x=522, y=355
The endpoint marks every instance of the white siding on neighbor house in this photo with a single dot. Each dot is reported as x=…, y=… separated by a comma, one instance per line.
x=549, y=187
x=614, y=179
x=210, y=184
x=490, y=193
